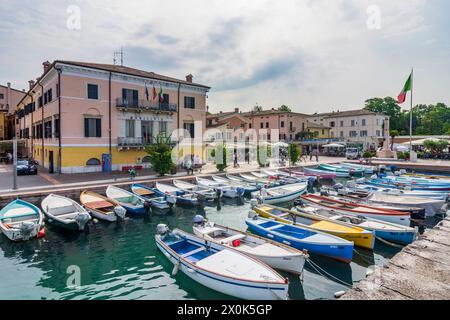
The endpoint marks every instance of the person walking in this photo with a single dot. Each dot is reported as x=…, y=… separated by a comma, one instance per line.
x=189, y=165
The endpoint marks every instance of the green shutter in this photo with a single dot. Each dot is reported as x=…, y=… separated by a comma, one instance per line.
x=98, y=127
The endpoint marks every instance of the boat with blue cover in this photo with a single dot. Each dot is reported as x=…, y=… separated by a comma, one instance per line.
x=183, y=198
x=156, y=200
x=132, y=203
x=225, y=189
x=301, y=238
x=220, y=268
x=21, y=220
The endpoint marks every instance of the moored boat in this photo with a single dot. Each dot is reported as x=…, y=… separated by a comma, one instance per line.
x=153, y=197
x=220, y=268
x=183, y=198
x=388, y=231
x=64, y=213
x=249, y=188
x=202, y=193
x=132, y=203
x=340, y=169
x=274, y=254
x=302, y=238
x=360, y=236
x=280, y=194
x=323, y=174
x=101, y=207
x=367, y=169
x=350, y=208
x=20, y=220
x=225, y=189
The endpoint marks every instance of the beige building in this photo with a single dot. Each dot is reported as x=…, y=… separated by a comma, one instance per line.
x=79, y=115
x=9, y=98
x=353, y=126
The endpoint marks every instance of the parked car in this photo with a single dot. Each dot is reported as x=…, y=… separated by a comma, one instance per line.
x=352, y=153
x=26, y=167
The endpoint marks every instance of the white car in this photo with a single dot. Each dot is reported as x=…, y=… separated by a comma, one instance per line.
x=352, y=153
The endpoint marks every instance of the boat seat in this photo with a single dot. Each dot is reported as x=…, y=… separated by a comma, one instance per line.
x=232, y=238
x=99, y=204
x=144, y=192
x=276, y=227
x=191, y=253
x=60, y=211
x=67, y=216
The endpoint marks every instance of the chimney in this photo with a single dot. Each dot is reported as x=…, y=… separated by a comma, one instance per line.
x=31, y=83
x=207, y=108
x=46, y=65
x=236, y=110
x=9, y=84
x=189, y=78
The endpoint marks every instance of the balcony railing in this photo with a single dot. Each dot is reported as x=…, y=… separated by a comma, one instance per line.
x=130, y=142
x=145, y=105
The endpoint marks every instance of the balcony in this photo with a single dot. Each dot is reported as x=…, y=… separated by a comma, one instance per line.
x=144, y=105
x=130, y=142
x=292, y=129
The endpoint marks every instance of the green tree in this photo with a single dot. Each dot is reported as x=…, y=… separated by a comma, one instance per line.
x=393, y=134
x=284, y=108
x=257, y=108
x=387, y=106
x=221, y=151
x=160, y=154
x=294, y=153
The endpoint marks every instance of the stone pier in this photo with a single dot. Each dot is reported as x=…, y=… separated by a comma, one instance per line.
x=421, y=271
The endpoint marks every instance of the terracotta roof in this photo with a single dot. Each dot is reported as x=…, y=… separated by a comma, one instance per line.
x=269, y=112
x=128, y=70
x=12, y=89
x=348, y=113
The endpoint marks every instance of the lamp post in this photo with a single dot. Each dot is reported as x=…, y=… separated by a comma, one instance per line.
x=15, y=163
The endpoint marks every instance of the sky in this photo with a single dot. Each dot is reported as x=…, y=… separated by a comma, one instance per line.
x=312, y=55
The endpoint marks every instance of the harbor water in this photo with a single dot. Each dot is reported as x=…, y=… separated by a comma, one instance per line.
x=121, y=261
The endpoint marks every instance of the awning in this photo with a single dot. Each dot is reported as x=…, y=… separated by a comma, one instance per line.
x=334, y=145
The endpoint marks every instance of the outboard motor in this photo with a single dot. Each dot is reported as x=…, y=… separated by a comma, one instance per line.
x=299, y=203
x=82, y=219
x=198, y=220
x=253, y=215
x=240, y=191
x=26, y=229
x=171, y=200
x=338, y=186
x=324, y=193
x=120, y=212
x=162, y=229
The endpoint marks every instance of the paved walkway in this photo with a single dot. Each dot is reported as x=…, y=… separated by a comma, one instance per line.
x=421, y=271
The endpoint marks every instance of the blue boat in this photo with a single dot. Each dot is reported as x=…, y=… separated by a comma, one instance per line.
x=183, y=198
x=302, y=238
x=131, y=203
x=152, y=196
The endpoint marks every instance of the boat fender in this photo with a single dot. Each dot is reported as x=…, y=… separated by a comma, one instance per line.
x=253, y=215
x=236, y=243
x=339, y=294
x=120, y=211
x=94, y=221
x=41, y=233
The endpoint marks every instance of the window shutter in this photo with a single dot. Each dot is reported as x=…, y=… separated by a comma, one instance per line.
x=135, y=96
x=98, y=127
x=124, y=93
x=86, y=127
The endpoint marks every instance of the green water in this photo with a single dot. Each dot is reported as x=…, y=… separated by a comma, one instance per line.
x=121, y=261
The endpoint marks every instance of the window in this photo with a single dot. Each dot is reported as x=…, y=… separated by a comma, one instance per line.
x=92, y=91
x=190, y=128
x=2, y=96
x=189, y=102
x=129, y=128
x=262, y=125
x=342, y=123
x=353, y=134
x=130, y=97
x=363, y=133
x=45, y=98
x=48, y=129
x=282, y=124
x=378, y=133
x=41, y=102
x=93, y=162
x=332, y=124
x=57, y=91
x=363, y=122
x=352, y=123
x=57, y=128
x=249, y=125
x=163, y=128
x=323, y=132
x=291, y=125
x=49, y=95
x=267, y=125
x=92, y=127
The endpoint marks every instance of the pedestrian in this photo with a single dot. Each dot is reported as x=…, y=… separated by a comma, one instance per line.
x=310, y=155
x=188, y=165
x=317, y=155
x=8, y=158
x=235, y=160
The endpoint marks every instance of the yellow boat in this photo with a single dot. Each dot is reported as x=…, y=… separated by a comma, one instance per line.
x=361, y=237
x=426, y=176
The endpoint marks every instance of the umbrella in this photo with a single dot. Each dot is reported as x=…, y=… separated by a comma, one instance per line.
x=281, y=144
x=334, y=145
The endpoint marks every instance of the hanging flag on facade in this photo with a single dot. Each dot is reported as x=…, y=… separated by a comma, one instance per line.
x=146, y=92
x=161, y=95
x=402, y=96
x=154, y=93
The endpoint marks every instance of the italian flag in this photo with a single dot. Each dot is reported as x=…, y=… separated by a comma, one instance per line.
x=402, y=96
x=161, y=95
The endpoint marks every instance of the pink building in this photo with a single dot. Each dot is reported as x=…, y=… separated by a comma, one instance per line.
x=78, y=113
x=9, y=98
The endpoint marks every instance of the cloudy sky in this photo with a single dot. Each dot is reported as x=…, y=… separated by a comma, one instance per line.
x=313, y=55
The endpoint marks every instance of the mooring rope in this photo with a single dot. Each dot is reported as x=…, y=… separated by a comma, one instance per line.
x=317, y=268
x=389, y=243
x=363, y=256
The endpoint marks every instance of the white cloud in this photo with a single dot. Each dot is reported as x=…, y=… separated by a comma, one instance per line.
x=313, y=55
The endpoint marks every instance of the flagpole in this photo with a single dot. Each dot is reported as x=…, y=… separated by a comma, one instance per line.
x=411, y=112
